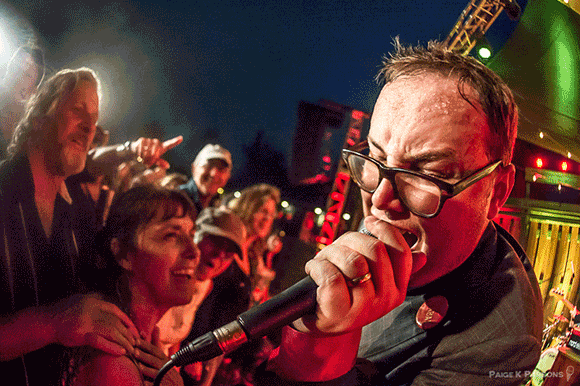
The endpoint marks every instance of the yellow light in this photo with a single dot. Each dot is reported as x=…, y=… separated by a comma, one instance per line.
x=569, y=155
x=220, y=190
x=317, y=211
x=539, y=163
x=237, y=194
x=284, y=204
x=559, y=187
x=534, y=178
x=541, y=134
x=564, y=166
x=346, y=216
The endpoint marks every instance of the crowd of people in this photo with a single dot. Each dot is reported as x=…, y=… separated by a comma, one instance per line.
x=110, y=264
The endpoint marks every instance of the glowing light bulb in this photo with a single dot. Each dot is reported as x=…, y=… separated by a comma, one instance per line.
x=484, y=53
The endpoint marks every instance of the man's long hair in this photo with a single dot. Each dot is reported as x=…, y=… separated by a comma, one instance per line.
x=494, y=97
x=42, y=107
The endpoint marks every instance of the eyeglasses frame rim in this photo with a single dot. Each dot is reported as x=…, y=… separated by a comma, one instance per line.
x=448, y=190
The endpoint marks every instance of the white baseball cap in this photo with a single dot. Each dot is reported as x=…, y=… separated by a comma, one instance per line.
x=213, y=151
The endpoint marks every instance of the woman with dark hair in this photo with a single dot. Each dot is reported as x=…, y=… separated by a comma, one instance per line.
x=152, y=263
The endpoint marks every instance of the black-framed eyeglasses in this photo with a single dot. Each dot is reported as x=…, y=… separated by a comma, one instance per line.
x=421, y=194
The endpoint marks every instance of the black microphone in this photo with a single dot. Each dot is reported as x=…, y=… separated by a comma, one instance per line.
x=260, y=320
x=282, y=309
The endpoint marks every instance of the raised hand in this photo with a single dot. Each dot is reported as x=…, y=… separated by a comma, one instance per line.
x=151, y=150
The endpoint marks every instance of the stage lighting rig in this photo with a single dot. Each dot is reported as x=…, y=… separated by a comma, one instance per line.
x=475, y=20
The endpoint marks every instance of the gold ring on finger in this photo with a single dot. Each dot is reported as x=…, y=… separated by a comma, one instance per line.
x=359, y=280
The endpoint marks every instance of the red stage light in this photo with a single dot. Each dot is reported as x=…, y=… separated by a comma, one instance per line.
x=564, y=166
x=539, y=163
x=326, y=159
x=356, y=114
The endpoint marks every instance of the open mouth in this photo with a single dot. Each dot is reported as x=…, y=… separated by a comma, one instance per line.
x=410, y=238
x=185, y=273
x=82, y=145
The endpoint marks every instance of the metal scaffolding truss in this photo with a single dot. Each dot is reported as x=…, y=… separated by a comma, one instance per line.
x=473, y=23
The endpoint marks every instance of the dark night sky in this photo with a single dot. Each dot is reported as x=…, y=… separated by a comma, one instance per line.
x=223, y=70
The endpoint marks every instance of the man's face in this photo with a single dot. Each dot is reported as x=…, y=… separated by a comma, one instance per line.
x=23, y=81
x=164, y=261
x=26, y=85
x=73, y=130
x=74, y=125
x=216, y=257
x=210, y=175
x=423, y=124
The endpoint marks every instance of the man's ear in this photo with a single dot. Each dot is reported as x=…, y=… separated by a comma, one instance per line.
x=501, y=190
x=119, y=255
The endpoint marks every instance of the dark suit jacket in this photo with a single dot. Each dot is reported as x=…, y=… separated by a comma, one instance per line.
x=490, y=334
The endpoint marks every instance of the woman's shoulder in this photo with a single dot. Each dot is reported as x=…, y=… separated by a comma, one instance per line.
x=101, y=368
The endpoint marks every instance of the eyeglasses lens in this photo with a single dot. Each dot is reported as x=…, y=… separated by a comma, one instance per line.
x=420, y=195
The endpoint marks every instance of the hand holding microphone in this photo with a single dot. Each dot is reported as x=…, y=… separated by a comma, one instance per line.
x=353, y=281
x=343, y=307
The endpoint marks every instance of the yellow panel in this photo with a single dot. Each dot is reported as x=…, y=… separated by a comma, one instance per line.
x=562, y=268
x=545, y=257
x=575, y=263
x=531, y=248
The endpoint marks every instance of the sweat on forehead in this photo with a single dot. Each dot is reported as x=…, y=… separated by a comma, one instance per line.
x=430, y=93
x=411, y=110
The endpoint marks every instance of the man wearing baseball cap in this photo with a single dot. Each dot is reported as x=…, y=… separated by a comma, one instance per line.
x=210, y=171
